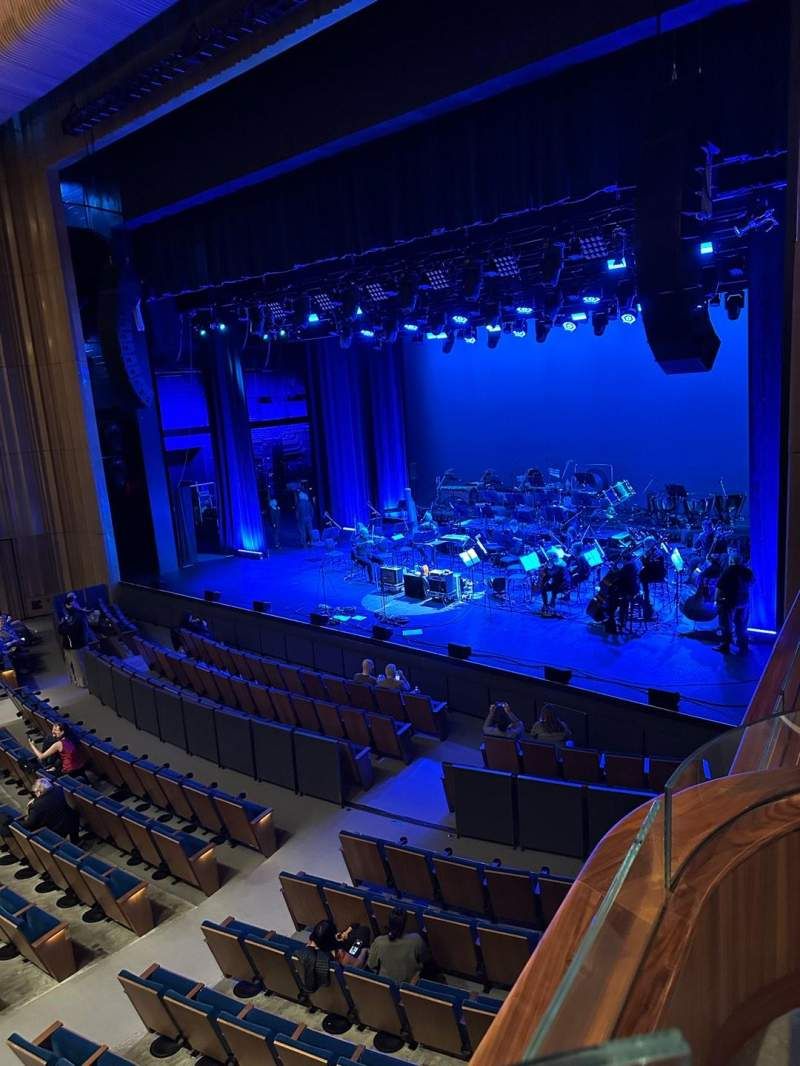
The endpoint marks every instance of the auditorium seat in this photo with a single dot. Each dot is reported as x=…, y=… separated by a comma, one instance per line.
x=41, y=939
x=505, y=951
x=303, y=899
x=333, y=998
x=283, y=707
x=225, y=940
x=44, y=843
x=22, y=837
x=336, y=690
x=426, y=715
x=356, y=726
x=57, y=1046
x=391, y=703
x=246, y=822
x=364, y=859
x=309, y=1048
x=313, y=685
x=146, y=991
x=625, y=771
x=434, y=1017
x=659, y=772
x=377, y=1002
x=244, y=696
x=139, y=828
x=501, y=753
x=118, y=826
x=581, y=764
x=271, y=672
x=552, y=892
x=461, y=883
x=511, y=895
x=306, y=713
x=125, y=764
x=390, y=737
x=68, y=858
x=453, y=945
x=291, y=679
x=360, y=695
x=263, y=701
x=200, y=799
x=479, y=1012
x=538, y=759
x=347, y=906
x=147, y=772
x=410, y=870
x=187, y=858
x=251, y=1034
x=382, y=910
x=272, y=957
x=171, y=783
x=196, y=1018
x=122, y=897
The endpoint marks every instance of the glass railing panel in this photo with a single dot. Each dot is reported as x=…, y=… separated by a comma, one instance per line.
x=653, y=1049
x=623, y=919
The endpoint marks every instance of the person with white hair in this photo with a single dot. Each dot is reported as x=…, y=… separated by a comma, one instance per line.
x=392, y=678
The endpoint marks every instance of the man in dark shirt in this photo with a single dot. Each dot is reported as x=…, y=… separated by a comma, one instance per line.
x=48, y=810
x=733, y=603
x=367, y=674
x=393, y=679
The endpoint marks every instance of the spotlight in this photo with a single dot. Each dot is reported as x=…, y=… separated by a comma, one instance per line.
x=734, y=302
x=628, y=307
x=706, y=248
x=590, y=299
x=568, y=325
x=579, y=316
x=313, y=318
x=265, y=337
x=493, y=327
x=438, y=278
x=368, y=333
x=599, y=322
x=203, y=331
x=520, y=328
x=617, y=264
x=438, y=335
x=282, y=332
x=450, y=340
x=359, y=312
x=628, y=317
x=470, y=335
x=460, y=320
x=222, y=326
x=493, y=337
x=523, y=309
x=542, y=331
x=411, y=327
x=552, y=263
x=506, y=265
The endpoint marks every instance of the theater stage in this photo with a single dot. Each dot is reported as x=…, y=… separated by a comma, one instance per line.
x=672, y=655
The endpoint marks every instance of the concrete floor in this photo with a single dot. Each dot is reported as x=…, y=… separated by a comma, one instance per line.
x=92, y=1002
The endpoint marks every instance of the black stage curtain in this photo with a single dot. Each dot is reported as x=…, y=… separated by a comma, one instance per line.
x=564, y=137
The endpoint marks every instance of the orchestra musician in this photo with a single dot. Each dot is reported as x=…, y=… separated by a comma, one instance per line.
x=733, y=603
x=362, y=550
x=622, y=593
x=654, y=567
x=555, y=581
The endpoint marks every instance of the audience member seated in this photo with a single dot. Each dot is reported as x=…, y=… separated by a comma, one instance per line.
x=47, y=810
x=502, y=722
x=398, y=955
x=64, y=751
x=352, y=946
x=367, y=674
x=194, y=624
x=549, y=729
x=393, y=679
x=315, y=957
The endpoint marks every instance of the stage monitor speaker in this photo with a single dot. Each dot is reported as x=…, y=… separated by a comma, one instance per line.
x=381, y=632
x=658, y=697
x=459, y=651
x=556, y=673
x=318, y=619
x=212, y=596
x=261, y=605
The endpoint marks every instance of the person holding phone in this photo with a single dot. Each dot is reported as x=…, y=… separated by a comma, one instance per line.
x=352, y=946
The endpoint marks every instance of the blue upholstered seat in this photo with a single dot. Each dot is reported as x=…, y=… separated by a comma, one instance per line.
x=33, y=1052
x=11, y=902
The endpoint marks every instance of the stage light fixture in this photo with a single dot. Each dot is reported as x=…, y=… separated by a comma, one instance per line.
x=408, y=294
x=506, y=265
x=438, y=278
x=313, y=318
x=265, y=337
x=568, y=325
x=368, y=333
x=524, y=309
x=436, y=321
x=542, y=331
x=734, y=302
x=460, y=320
x=493, y=327
x=282, y=332
x=470, y=335
x=376, y=291
x=276, y=309
x=591, y=299
x=203, y=331
x=628, y=317
x=520, y=328
x=552, y=263
x=411, y=327
x=579, y=316
x=706, y=247
x=493, y=338
x=599, y=323
x=617, y=264
x=324, y=302
x=359, y=312
x=440, y=335
x=449, y=342
x=391, y=327
x=472, y=280
x=593, y=245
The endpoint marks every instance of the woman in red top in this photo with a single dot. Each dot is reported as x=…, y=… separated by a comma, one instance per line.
x=71, y=758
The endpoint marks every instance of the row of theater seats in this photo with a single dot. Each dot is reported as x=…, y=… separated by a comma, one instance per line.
x=542, y=814
x=422, y=713
x=577, y=764
x=231, y=817
x=500, y=893
x=169, y=851
x=379, y=732
x=36, y=935
x=315, y=765
x=480, y=950
x=59, y=1046
x=83, y=878
x=424, y=1012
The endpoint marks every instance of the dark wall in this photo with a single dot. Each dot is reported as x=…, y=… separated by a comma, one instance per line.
x=577, y=396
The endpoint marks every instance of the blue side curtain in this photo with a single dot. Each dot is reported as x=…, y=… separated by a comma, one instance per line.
x=385, y=385
x=766, y=360
x=239, y=510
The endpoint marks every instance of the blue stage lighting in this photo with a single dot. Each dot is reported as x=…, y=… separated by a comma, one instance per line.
x=265, y=336
x=523, y=309
x=367, y=333
x=470, y=336
x=203, y=332
x=281, y=332
x=222, y=327
x=520, y=329
x=617, y=264
x=313, y=318
x=706, y=248
x=359, y=312
x=460, y=320
x=440, y=336
x=628, y=317
x=569, y=326
x=410, y=327
x=579, y=316
x=591, y=299
x=493, y=327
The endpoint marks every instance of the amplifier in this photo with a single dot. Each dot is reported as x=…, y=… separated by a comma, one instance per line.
x=443, y=584
x=391, y=578
x=414, y=586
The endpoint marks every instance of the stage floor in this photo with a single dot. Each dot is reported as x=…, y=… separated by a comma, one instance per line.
x=670, y=654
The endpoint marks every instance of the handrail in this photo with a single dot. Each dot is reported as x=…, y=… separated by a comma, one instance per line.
x=595, y=967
